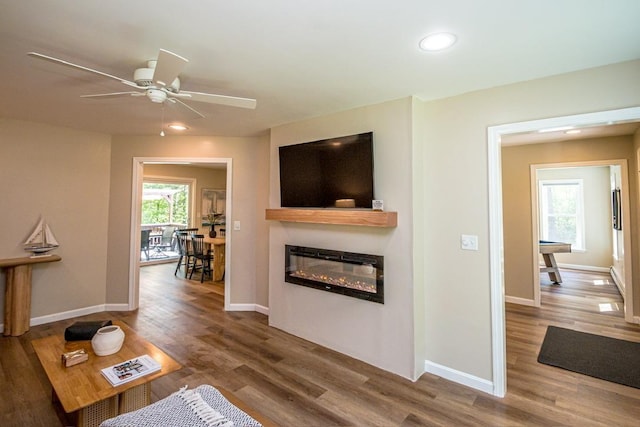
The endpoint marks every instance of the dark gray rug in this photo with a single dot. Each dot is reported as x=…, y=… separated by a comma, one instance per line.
x=601, y=357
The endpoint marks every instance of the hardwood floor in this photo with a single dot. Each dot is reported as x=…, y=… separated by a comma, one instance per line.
x=298, y=383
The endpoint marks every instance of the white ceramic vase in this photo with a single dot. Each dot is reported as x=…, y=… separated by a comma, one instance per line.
x=107, y=340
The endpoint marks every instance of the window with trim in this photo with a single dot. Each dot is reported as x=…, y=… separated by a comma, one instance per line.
x=562, y=211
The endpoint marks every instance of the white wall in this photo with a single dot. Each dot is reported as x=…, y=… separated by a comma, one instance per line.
x=63, y=175
x=382, y=335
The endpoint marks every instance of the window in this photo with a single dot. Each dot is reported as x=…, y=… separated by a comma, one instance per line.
x=562, y=211
x=165, y=203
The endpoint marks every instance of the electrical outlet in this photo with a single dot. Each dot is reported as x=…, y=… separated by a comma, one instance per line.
x=469, y=242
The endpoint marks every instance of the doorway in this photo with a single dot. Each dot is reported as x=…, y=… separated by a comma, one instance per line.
x=136, y=203
x=620, y=266
x=496, y=243
x=166, y=207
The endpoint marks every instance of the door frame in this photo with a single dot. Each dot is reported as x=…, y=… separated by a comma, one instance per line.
x=496, y=242
x=136, y=207
x=626, y=234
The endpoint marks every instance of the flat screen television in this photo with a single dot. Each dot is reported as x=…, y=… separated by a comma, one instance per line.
x=330, y=173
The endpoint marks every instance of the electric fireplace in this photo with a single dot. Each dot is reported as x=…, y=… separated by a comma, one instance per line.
x=355, y=275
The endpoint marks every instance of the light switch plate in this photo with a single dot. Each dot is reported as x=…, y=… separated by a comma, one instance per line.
x=236, y=225
x=469, y=242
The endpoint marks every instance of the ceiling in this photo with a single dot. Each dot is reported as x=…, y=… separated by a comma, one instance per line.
x=596, y=131
x=299, y=59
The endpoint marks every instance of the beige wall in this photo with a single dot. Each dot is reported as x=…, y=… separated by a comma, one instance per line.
x=516, y=187
x=249, y=199
x=455, y=198
x=381, y=335
x=446, y=195
x=63, y=175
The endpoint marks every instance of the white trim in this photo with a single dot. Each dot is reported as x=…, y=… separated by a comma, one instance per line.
x=496, y=266
x=496, y=246
x=249, y=307
x=64, y=315
x=228, y=236
x=460, y=377
x=262, y=309
x=619, y=281
x=535, y=232
x=584, y=267
x=116, y=307
x=521, y=301
x=136, y=194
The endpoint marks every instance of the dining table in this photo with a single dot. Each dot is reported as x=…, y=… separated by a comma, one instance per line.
x=217, y=247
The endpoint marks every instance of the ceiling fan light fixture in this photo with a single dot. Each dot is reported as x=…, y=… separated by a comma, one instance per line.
x=437, y=41
x=156, y=95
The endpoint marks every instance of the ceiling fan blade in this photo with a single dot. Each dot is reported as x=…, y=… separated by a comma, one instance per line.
x=210, y=98
x=176, y=100
x=168, y=67
x=113, y=94
x=80, y=67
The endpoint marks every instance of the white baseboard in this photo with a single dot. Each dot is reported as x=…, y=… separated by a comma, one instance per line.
x=249, y=307
x=521, y=301
x=585, y=268
x=459, y=377
x=262, y=309
x=119, y=307
x=66, y=315
x=618, y=281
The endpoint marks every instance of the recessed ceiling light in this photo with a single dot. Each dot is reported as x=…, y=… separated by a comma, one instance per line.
x=437, y=41
x=177, y=126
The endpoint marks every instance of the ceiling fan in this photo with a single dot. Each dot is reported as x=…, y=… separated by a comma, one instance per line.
x=159, y=82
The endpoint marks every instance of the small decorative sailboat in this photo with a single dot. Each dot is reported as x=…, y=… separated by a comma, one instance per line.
x=41, y=240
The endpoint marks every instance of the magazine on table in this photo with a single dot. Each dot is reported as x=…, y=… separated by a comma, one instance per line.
x=130, y=370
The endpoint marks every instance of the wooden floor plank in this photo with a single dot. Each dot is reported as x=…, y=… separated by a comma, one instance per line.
x=299, y=383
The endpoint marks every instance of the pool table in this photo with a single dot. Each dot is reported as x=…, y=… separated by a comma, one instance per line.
x=547, y=249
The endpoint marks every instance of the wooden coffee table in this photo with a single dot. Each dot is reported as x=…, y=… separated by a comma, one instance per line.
x=82, y=390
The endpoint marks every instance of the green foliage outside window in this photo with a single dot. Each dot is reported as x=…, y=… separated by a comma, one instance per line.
x=157, y=211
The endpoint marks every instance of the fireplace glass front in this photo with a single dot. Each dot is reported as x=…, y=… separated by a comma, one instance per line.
x=356, y=275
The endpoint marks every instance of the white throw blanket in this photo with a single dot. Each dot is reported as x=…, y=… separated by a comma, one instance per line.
x=203, y=406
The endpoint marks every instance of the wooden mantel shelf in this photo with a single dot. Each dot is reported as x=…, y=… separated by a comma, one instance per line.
x=368, y=218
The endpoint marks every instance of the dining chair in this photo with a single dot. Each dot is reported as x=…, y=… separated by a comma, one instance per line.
x=184, y=250
x=200, y=252
x=144, y=242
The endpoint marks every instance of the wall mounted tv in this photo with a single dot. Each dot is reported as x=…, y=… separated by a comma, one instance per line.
x=330, y=173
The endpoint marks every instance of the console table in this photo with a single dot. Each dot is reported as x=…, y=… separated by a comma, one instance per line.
x=17, y=297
